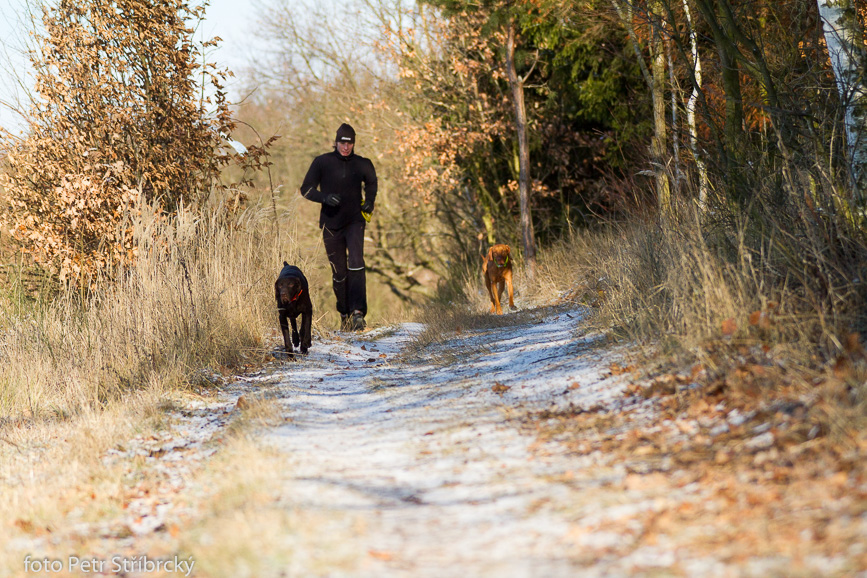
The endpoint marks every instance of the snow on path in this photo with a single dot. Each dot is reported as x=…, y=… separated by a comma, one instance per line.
x=414, y=459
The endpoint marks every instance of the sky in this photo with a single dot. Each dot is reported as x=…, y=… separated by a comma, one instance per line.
x=231, y=20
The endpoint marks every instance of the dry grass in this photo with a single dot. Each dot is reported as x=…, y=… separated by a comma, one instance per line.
x=782, y=300
x=82, y=374
x=199, y=295
x=242, y=530
x=695, y=281
x=53, y=477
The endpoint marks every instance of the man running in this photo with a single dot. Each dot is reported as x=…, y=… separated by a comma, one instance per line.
x=335, y=180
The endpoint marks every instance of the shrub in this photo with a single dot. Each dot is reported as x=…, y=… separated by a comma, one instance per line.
x=120, y=113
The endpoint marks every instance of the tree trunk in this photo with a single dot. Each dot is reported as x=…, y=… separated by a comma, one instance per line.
x=845, y=39
x=517, y=86
x=675, y=91
x=734, y=117
x=659, y=144
x=655, y=79
x=690, y=110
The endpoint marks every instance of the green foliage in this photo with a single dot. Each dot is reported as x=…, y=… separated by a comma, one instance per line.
x=586, y=102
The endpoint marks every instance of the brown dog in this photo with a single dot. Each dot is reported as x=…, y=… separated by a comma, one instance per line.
x=497, y=270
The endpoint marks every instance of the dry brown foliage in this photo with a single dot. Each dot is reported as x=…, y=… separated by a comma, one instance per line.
x=124, y=107
x=433, y=146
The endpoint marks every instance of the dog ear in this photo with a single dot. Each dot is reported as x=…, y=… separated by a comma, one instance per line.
x=285, y=264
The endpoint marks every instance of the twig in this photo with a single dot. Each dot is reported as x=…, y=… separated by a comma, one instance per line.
x=11, y=443
x=270, y=180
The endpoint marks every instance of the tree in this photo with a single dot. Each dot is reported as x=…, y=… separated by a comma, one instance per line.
x=516, y=84
x=655, y=79
x=695, y=62
x=120, y=116
x=844, y=36
x=506, y=17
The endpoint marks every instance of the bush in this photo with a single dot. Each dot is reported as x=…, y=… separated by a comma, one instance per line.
x=120, y=114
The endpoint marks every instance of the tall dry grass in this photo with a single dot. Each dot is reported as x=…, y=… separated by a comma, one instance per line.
x=790, y=277
x=684, y=282
x=200, y=295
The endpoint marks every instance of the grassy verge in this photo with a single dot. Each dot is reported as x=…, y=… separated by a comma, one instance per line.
x=82, y=374
x=199, y=296
x=751, y=316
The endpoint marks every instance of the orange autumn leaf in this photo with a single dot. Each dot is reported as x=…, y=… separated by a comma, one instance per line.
x=381, y=555
x=500, y=388
x=729, y=327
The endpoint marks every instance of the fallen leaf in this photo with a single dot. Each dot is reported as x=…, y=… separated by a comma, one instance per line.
x=500, y=388
x=381, y=555
x=645, y=482
x=729, y=327
x=755, y=317
x=842, y=368
x=383, y=355
x=853, y=345
x=839, y=479
x=24, y=525
x=757, y=370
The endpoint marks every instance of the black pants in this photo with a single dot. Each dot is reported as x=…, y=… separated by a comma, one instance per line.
x=345, y=249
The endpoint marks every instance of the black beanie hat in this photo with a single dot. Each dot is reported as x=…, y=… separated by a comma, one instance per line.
x=345, y=134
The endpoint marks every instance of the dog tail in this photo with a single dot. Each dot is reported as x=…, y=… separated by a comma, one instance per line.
x=285, y=264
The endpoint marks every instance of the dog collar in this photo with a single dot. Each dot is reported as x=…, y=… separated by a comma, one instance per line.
x=297, y=296
x=506, y=262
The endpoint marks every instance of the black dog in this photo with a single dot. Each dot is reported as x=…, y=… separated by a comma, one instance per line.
x=293, y=299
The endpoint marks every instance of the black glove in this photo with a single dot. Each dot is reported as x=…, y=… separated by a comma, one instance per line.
x=332, y=200
x=367, y=207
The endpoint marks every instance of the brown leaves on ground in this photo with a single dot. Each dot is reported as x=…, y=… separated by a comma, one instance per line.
x=765, y=458
x=617, y=369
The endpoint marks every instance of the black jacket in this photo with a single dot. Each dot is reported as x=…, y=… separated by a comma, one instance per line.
x=335, y=173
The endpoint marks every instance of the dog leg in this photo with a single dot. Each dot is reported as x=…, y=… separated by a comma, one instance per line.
x=508, y=276
x=491, y=293
x=500, y=286
x=306, y=324
x=295, y=338
x=284, y=327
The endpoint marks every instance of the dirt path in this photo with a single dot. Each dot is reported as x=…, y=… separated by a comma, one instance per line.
x=517, y=452
x=421, y=460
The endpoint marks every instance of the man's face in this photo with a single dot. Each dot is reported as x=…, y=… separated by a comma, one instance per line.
x=345, y=148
